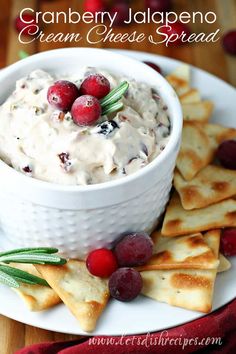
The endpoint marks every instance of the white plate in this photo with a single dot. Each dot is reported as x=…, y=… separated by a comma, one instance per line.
x=142, y=315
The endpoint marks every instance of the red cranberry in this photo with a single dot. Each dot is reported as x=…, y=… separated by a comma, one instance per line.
x=101, y=262
x=125, y=284
x=23, y=25
x=122, y=10
x=229, y=42
x=134, y=249
x=65, y=161
x=176, y=28
x=27, y=169
x=158, y=5
x=226, y=154
x=64, y=157
x=228, y=242
x=86, y=110
x=62, y=94
x=153, y=66
x=94, y=6
x=95, y=85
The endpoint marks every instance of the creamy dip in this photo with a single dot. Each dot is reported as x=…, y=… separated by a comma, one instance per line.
x=46, y=144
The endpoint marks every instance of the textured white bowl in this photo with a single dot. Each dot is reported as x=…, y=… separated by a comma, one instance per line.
x=77, y=219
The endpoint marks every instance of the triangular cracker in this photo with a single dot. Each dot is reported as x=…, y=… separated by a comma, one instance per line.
x=36, y=297
x=196, y=150
x=212, y=239
x=211, y=185
x=191, y=96
x=190, y=289
x=218, y=133
x=224, y=264
x=184, y=252
x=199, y=112
x=178, y=221
x=180, y=79
x=85, y=295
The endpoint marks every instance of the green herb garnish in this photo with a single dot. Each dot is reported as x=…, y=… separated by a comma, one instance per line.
x=112, y=108
x=110, y=103
x=13, y=277
x=21, y=276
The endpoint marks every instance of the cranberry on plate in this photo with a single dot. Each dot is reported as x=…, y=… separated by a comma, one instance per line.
x=27, y=25
x=101, y=262
x=134, y=250
x=62, y=94
x=226, y=154
x=86, y=110
x=95, y=85
x=228, y=242
x=229, y=42
x=125, y=284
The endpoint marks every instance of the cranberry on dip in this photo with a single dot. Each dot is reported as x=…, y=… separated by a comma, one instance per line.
x=54, y=128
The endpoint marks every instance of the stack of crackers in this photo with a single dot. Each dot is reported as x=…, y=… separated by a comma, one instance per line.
x=186, y=259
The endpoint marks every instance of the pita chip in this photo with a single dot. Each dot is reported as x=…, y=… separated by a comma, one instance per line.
x=218, y=133
x=183, y=252
x=191, y=96
x=211, y=185
x=36, y=297
x=212, y=239
x=196, y=150
x=84, y=294
x=224, y=264
x=199, y=112
x=186, y=288
x=178, y=221
x=179, y=79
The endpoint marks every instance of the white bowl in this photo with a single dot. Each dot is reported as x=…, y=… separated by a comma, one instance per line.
x=76, y=219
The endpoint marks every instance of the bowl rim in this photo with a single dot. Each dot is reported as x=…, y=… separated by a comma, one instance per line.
x=177, y=123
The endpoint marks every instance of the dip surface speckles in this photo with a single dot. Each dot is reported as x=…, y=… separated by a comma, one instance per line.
x=36, y=135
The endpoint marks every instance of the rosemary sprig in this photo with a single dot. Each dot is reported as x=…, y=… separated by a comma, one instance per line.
x=113, y=97
x=12, y=276
x=22, y=276
x=8, y=280
x=112, y=108
x=37, y=250
x=33, y=259
x=41, y=255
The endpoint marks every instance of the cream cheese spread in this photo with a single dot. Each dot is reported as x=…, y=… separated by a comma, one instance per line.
x=46, y=144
